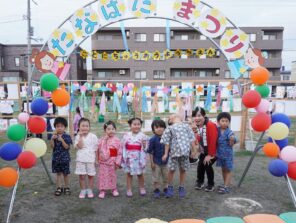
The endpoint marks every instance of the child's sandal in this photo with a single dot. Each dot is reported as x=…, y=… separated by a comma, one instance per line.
x=67, y=191
x=58, y=191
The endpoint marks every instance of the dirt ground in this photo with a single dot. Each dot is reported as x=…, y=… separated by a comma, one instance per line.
x=35, y=201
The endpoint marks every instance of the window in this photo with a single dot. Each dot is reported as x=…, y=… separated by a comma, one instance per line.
x=202, y=37
x=159, y=37
x=181, y=37
x=10, y=79
x=269, y=35
x=105, y=37
x=180, y=74
x=17, y=61
x=227, y=74
x=140, y=75
x=285, y=77
x=140, y=37
x=159, y=74
x=2, y=61
x=202, y=73
x=105, y=74
x=252, y=37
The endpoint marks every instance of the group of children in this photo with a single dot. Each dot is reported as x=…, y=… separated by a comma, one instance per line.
x=170, y=148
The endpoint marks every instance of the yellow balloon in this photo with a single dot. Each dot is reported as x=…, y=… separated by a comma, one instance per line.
x=36, y=146
x=278, y=131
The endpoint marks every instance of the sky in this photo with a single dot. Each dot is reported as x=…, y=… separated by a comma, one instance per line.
x=49, y=14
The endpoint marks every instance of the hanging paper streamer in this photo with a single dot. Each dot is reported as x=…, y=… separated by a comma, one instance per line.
x=85, y=22
x=61, y=43
x=230, y=101
x=166, y=102
x=142, y=8
x=187, y=11
x=124, y=108
x=93, y=102
x=144, y=102
x=197, y=101
x=154, y=108
x=72, y=100
x=123, y=32
x=116, y=103
x=234, y=43
x=136, y=101
x=111, y=11
x=168, y=34
x=103, y=105
x=208, y=102
x=218, y=102
x=237, y=68
x=61, y=69
x=212, y=23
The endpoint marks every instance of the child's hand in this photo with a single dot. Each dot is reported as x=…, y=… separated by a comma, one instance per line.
x=54, y=137
x=208, y=159
x=144, y=144
x=231, y=140
x=80, y=143
x=164, y=157
x=152, y=166
x=59, y=137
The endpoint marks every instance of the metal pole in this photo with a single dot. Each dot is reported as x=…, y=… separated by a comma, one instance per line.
x=292, y=193
x=12, y=198
x=257, y=148
x=46, y=170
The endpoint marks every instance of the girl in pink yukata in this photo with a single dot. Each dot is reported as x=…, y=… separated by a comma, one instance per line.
x=109, y=156
x=134, y=146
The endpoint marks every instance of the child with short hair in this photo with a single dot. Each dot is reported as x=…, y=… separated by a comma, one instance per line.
x=178, y=139
x=86, y=144
x=226, y=139
x=60, y=142
x=109, y=157
x=134, y=145
x=156, y=151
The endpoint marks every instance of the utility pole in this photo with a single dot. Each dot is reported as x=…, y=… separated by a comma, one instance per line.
x=29, y=48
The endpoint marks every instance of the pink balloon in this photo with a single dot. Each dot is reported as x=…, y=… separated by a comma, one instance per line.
x=288, y=154
x=23, y=118
x=263, y=106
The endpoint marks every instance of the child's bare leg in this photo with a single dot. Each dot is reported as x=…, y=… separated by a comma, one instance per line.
x=129, y=179
x=66, y=180
x=59, y=180
x=141, y=180
x=227, y=179
x=182, y=177
x=91, y=182
x=171, y=177
x=82, y=182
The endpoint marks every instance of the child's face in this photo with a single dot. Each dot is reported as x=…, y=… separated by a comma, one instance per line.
x=224, y=123
x=110, y=130
x=84, y=128
x=136, y=126
x=60, y=128
x=158, y=130
x=47, y=62
x=199, y=119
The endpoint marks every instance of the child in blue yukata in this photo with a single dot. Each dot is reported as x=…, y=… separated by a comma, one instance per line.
x=226, y=139
x=156, y=151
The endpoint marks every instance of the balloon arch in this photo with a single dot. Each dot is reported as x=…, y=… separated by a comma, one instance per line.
x=234, y=45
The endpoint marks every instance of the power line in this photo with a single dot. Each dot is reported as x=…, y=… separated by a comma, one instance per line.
x=12, y=21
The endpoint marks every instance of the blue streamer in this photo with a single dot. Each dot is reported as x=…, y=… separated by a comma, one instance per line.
x=116, y=103
x=144, y=102
x=124, y=36
x=208, y=103
x=124, y=108
x=168, y=34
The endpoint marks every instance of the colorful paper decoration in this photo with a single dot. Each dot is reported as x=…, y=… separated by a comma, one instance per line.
x=116, y=103
x=124, y=107
x=237, y=68
x=234, y=43
x=115, y=56
x=144, y=102
x=85, y=22
x=212, y=23
x=111, y=10
x=187, y=11
x=142, y=8
x=61, y=42
x=126, y=55
x=44, y=61
x=61, y=69
x=156, y=55
x=145, y=55
x=254, y=58
x=103, y=105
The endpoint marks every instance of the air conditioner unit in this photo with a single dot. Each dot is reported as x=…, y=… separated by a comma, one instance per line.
x=217, y=53
x=122, y=72
x=127, y=34
x=217, y=72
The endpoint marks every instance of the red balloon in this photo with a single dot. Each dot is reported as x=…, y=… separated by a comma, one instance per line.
x=26, y=160
x=36, y=125
x=292, y=170
x=251, y=99
x=261, y=122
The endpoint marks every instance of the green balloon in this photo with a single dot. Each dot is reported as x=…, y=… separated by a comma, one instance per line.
x=16, y=132
x=263, y=90
x=49, y=82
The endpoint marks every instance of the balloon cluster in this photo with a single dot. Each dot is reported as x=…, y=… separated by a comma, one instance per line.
x=34, y=147
x=277, y=126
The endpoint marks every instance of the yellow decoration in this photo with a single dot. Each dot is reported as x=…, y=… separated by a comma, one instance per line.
x=242, y=70
x=94, y=17
x=115, y=56
x=215, y=12
x=138, y=14
x=223, y=21
x=243, y=37
x=211, y=52
x=56, y=34
x=238, y=54
x=105, y=56
x=95, y=55
x=103, y=2
x=200, y=52
x=204, y=24
x=84, y=54
x=121, y=8
x=177, y=6
x=136, y=55
x=196, y=13
x=168, y=54
x=229, y=33
x=189, y=52
x=79, y=33
x=224, y=42
x=229, y=87
x=196, y=2
x=178, y=53
x=152, y=7
x=176, y=90
x=55, y=52
x=79, y=13
x=126, y=55
x=156, y=55
x=146, y=55
x=61, y=64
x=69, y=36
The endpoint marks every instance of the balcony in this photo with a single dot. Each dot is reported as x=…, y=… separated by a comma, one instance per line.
x=273, y=63
x=196, y=63
x=269, y=44
x=191, y=44
x=107, y=45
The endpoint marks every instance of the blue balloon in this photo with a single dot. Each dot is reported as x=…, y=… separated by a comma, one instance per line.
x=10, y=151
x=39, y=106
x=281, y=143
x=280, y=117
x=278, y=168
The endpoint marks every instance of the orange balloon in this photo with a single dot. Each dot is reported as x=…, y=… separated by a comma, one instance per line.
x=259, y=75
x=60, y=97
x=271, y=150
x=8, y=177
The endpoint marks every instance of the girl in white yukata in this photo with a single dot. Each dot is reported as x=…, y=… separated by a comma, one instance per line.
x=109, y=159
x=86, y=144
x=134, y=146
